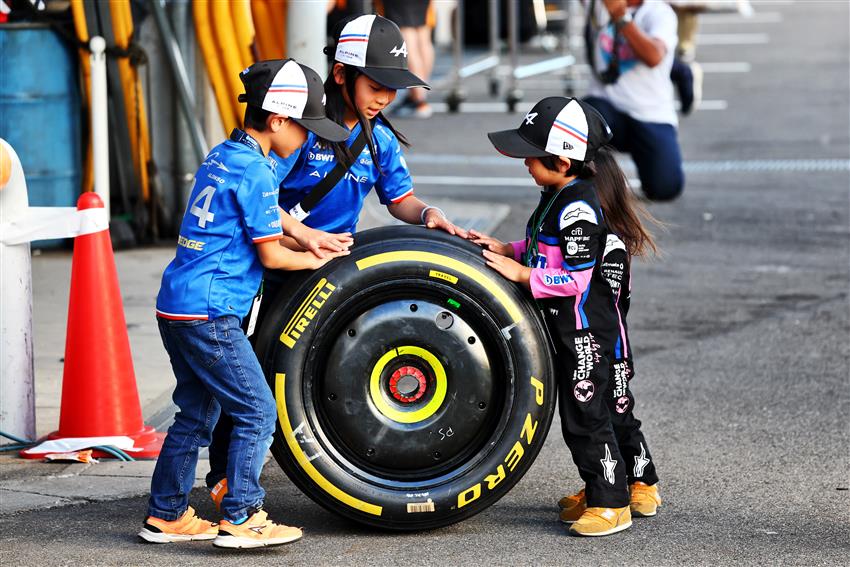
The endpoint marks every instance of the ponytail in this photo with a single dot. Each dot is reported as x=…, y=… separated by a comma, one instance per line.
x=624, y=214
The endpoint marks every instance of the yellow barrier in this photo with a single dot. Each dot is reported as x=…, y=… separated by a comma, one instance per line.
x=83, y=35
x=227, y=108
x=243, y=26
x=134, y=102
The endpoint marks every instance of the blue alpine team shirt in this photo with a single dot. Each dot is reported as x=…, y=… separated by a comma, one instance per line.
x=340, y=208
x=233, y=205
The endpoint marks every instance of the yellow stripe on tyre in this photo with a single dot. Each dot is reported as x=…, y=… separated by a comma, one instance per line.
x=446, y=262
x=304, y=462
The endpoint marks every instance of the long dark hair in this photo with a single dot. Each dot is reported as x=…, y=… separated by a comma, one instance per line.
x=335, y=106
x=625, y=215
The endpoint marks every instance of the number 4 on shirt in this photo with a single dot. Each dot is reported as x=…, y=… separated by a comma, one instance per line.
x=203, y=212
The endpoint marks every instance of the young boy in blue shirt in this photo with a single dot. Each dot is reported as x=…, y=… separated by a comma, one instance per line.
x=231, y=231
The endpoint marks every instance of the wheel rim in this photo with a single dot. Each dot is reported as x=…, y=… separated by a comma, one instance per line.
x=408, y=389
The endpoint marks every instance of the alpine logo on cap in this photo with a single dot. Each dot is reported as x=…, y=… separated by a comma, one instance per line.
x=396, y=51
x=529, y=118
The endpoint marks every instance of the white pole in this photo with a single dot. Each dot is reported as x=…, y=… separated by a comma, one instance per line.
x=17, y=390
x=306, y=28
x=99, y=122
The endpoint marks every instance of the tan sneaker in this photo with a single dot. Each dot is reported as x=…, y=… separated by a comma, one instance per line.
x=602, y=521
x=645, y=500
x=572, y=507
x=187, y=527
x=256, y=531
x=217, y=493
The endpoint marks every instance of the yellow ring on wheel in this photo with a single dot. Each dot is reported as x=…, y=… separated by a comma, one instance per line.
x=422, y=413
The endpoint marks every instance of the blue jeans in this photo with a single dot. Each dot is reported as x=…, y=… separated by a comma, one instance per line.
x=216, y=370
x=654, y=147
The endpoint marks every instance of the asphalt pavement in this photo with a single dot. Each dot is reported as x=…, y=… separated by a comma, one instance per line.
x=740, y=331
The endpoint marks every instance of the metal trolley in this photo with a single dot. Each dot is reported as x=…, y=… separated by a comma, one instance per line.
x=569, y=44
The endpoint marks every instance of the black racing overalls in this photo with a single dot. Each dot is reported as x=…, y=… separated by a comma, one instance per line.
x=564, y=246
x=616, y=269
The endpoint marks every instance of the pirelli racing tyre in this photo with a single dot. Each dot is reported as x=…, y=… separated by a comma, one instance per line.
x=414, y=385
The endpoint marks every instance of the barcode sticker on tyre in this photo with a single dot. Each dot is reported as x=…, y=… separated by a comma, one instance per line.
x=414, y=507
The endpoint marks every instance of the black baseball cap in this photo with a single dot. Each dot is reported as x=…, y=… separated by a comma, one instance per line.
x=284, y=86
x=558, y=126
x=375, y=46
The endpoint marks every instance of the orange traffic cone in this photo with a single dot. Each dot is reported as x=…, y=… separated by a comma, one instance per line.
x=99, y=395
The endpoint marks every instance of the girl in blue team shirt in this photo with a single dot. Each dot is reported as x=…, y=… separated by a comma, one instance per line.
x=370, y=65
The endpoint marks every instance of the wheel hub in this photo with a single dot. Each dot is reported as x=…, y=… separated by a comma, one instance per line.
x=408, y=384
x=407, y=388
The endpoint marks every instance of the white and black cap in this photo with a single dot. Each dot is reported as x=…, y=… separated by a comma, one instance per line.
x=375, y=46
x=558, y=126
x=284, y=86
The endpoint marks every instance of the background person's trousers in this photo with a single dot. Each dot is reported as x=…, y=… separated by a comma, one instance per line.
x=654, y=147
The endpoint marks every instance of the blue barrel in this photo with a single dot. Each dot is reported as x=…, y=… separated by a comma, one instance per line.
x=40, y=111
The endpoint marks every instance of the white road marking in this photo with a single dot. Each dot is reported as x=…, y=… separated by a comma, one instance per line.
x=708, y=105
x=707, y=166
x=726, y=19
x=525, y=105
x=726, y=67
x=460, y=181
x=706, y=39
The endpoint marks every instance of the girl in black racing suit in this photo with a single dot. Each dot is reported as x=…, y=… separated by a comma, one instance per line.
x=627, y=237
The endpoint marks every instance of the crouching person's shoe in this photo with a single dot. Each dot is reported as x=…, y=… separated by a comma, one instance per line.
x=187, y=527
x=572, y=507
x=644, y=500
x=217, y=493
x=602, y=521
x=256, y=531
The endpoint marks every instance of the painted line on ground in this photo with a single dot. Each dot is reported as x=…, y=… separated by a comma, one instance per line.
x=479, y=181
x=707, y=39
x=525, y=106
x=726, y=19
x=547, y=81
x=460, y=180
x=726, y=67
x=709, y=166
